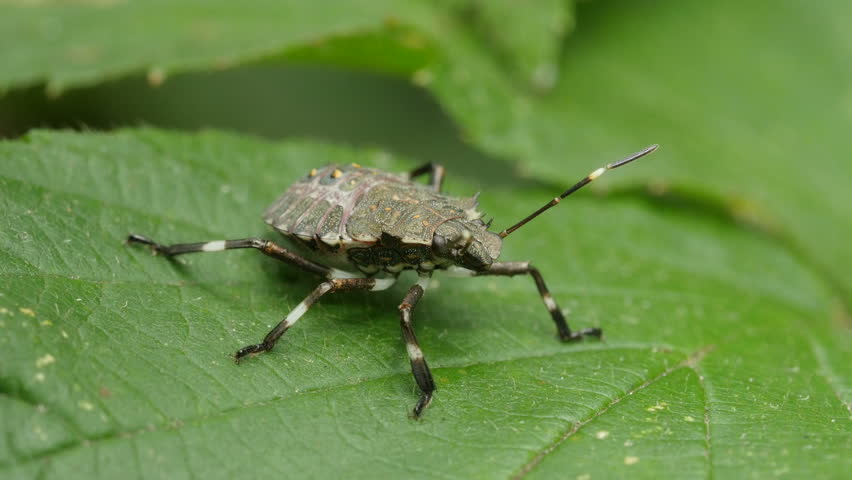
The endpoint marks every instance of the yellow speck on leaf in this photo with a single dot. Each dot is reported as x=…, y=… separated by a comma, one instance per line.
x=44, y=361
x=629, y=460
x=156, y=76
x=27, y=311
x=422, y=77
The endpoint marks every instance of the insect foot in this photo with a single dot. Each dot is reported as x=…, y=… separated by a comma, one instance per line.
x=425, y=400
x=251, y=350
x=586, y=332
x=143, y=240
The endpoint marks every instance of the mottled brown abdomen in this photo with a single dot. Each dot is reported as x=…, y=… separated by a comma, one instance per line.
x=351, y=206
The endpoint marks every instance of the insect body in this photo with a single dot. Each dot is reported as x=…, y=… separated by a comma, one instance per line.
x=361, y=227
x=379, y=222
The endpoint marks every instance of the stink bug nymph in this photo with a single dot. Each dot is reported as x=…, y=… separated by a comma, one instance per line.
x=361, y=227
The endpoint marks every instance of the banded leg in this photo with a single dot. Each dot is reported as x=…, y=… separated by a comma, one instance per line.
x=510, y=269
x=333, y=285
x=265, y=246
x=419, y=368
x=435, y=171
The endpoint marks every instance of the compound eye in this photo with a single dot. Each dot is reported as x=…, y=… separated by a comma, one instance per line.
x=439, y=245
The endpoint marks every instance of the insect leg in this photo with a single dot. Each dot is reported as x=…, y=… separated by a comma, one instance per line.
x=268, y=248
x=435, y=171
x=510, y=269
x=419, y=368
x=332, y=285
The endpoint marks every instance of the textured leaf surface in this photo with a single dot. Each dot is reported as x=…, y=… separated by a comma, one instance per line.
x=721, y=356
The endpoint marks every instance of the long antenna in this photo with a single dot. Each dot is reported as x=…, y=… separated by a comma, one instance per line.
x=582, y=183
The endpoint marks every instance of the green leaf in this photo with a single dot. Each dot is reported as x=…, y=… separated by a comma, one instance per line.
x=721, y=357
x=749, y=100
x=87, y=42
x=525, y=36
x=90, y=41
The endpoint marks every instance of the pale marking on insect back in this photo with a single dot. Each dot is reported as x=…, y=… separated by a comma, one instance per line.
x=331, y=240
x=455, y=271
x=383, y=283
x=365, y=239
x=335, y=240
x=395, y=268
x=336, y=273
x=216, y=246
x=427, y=265
x=472, y=214
x=414, y=352
x=597, y=173
x=548, y=300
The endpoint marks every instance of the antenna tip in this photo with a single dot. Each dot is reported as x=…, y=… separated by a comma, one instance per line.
x=636, y=155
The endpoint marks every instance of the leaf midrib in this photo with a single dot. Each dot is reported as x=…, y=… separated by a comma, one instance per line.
x=691, y=362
